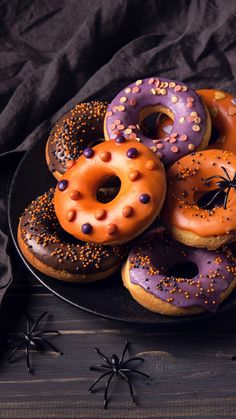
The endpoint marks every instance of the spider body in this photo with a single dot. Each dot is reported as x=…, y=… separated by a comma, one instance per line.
x=115, y=366
x=33, y=339
x=225, y=184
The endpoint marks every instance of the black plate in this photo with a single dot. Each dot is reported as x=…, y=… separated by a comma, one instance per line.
x=107, y=298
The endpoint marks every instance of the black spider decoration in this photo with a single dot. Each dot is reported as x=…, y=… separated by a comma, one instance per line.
x=31, y=339
x=225, y=184
x=116, y=366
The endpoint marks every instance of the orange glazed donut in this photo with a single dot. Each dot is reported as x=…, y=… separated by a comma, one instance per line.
x=134, y=208
x=222, y=108
x=210, y=177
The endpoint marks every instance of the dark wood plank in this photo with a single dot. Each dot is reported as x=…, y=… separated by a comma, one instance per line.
x=192, y=374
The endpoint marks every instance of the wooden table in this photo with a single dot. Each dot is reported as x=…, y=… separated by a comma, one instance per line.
x=192, y=373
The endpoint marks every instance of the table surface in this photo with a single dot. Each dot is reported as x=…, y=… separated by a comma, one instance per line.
x=191, y=370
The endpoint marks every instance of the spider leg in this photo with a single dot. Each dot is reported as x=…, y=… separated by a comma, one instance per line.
x=104, y=357
x=28, y=326
x=124, y=352
x=37, y=322
x=49, y=344
x=15, y=350
x=29, y=318
x=133, y=370
x=129, y=383
x=47, y=332
x=205, y=179
x=106, y=390
x=27, y=359
x=226, y=197
x=226, y=172
x=214, y=197
x=133, y=359
x=95, y=382
x=98, y=366
x=34, y=343
x=223, y=184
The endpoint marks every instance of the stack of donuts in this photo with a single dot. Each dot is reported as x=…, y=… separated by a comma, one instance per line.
x=157, y=203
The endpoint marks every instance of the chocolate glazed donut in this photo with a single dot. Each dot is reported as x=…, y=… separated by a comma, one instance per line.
x=82, y=126
x=155, y=277
x=52, y=251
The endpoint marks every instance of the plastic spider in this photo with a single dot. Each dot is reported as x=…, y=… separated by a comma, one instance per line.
x=225, y=184
x=118, y=367
x=31, y=339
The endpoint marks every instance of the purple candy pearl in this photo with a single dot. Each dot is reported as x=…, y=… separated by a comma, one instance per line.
x=132, y=152
x=86, y=228
x=120, y=139
x=62, y=185
x=144, y=198
x=88, y=152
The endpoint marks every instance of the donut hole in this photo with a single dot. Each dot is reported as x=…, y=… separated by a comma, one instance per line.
x=203, y=201
x=186, y=270
x=148, y=125
x=215, y=135
x=108, y=189
x=153, y=116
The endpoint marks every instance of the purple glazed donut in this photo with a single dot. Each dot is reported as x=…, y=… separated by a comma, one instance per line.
x=191, y=127
x=154, y=275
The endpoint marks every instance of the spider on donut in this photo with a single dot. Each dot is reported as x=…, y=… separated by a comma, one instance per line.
x=200, y=204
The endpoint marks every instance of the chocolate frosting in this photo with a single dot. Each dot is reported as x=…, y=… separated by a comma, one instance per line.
x=48, y=242
x=78, y=128
x=156, y=253
x=190, y=117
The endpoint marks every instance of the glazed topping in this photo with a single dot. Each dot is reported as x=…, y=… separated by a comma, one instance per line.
x=150, y=95
x=132, y=152
x=62, y=185
x=134, y=206
x=86, y=228
x=157, y=253
x=88, y=152
x=74, y=132
x=144, y=198
x=189, y=180
x=119, y=138
x=47, y=241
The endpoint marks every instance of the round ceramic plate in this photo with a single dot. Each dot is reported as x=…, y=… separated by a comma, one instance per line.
x=107, y=298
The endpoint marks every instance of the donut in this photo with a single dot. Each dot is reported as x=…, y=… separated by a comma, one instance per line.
x=82, y=126
x=222, y=108
x=200, y=205
x=191, y=120
x=133, y=209
x=170, y=278
x=50, y=250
